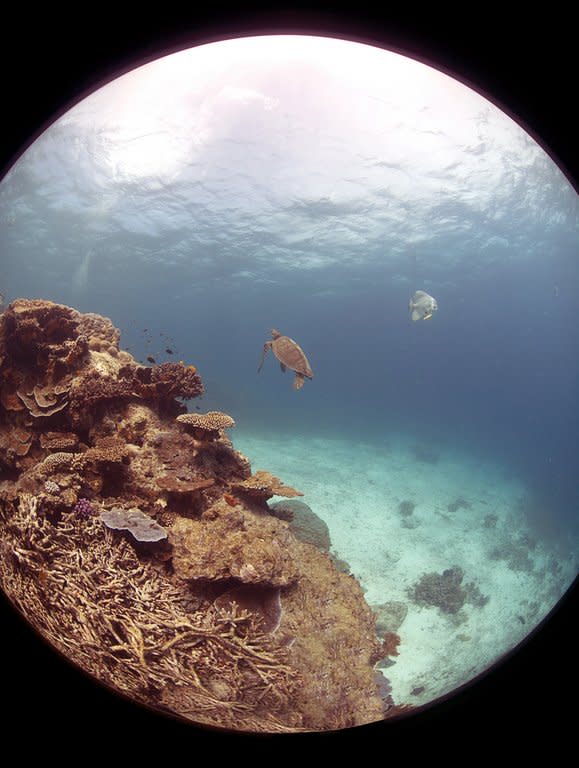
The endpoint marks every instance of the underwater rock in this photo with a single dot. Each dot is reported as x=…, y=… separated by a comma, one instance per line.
x=304, y=524
x=516, y=556
x=389, y=616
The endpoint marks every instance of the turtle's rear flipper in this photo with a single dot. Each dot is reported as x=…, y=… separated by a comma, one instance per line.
x=266, y=348
x=283, y=368
x=299, y=381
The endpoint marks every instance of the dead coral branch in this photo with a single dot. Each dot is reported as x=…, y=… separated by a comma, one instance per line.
x=120, y=619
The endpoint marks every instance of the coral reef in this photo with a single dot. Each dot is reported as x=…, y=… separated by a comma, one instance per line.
x=446, y=592
x=183, y=590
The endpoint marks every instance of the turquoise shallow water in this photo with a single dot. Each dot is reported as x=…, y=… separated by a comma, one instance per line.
x=468, y=513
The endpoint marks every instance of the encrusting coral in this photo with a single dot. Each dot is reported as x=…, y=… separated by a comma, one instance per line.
x=182, y=588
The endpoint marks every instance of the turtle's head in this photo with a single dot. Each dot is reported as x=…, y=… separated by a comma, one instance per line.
x=275, y=334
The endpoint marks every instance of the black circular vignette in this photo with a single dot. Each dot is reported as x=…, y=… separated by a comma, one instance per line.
x=50, y=60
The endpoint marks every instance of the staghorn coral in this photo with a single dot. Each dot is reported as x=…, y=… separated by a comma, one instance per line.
x=390, y=643
x=123, y=622
x=264, y=602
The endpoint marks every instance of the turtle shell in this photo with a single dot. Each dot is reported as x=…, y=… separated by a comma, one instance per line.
x=290, y=354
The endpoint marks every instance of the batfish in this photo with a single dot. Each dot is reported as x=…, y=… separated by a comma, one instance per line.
x=422, y=306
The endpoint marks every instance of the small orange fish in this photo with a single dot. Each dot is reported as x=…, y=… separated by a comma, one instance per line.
x=231, y=500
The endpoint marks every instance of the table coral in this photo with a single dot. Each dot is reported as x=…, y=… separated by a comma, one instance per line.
x=206, y=426
x=264, y=485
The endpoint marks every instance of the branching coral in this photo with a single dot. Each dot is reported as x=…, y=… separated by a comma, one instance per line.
x=119, y=619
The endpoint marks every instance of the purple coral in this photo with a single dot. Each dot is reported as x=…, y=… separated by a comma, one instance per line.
x=84, y=508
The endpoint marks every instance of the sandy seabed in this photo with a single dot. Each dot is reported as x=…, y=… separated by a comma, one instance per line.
x=467, y=513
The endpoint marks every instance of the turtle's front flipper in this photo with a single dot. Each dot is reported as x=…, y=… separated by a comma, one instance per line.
x=266, y=348
x=299, y=381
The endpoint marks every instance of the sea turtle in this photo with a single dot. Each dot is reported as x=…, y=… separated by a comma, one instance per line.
x=290, y=355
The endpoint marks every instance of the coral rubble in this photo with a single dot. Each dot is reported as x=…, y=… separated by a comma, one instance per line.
x=183, y=589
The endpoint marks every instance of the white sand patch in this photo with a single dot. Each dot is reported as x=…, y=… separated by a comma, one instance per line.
x=466, y=514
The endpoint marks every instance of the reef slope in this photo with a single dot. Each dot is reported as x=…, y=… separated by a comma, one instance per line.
x=220, y=616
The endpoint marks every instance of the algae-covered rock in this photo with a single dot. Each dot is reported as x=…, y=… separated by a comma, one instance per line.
x=233, y=544
x=389, y=616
